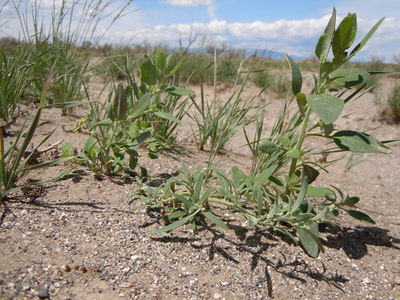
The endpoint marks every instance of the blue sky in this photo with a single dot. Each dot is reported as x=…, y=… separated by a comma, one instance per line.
x=285, y=25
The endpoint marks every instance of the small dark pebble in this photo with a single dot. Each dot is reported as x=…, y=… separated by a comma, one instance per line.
x=43, y=293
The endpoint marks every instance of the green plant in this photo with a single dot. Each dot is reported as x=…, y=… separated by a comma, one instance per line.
x=15, y=162
x=71, y=24
x=279, y=192
x=218, y=122
x=185, y=198
x=116, y=136
x=394, y=103
x=274, y=81
x=15, y=73
x=168, y=104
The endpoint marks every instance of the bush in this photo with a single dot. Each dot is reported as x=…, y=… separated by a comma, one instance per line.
x=393, y=104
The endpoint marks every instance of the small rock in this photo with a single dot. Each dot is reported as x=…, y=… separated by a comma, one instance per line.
x=126, y=270
x=396, y=280
x=217, y=296
x=224, y=283
x=43, y=293
x=66, y=268
x=366, y=280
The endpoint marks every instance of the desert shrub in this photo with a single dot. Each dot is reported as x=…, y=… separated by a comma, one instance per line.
x=393, y=104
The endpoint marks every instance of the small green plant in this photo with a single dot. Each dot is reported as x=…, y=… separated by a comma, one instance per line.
x=15, y=161
x=216, y=122
x=168, y=104
x=280, y=191
x=115, y=138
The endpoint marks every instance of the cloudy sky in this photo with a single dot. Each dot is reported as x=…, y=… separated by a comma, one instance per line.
x=291, y=26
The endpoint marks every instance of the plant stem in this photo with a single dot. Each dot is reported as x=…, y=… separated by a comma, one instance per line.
x=300, y=141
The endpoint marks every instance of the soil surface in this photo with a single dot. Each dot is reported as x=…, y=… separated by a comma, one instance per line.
x=80, y=239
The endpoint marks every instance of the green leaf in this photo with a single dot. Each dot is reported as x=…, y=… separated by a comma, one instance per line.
x=297, y=79
x=161, y=61
x=320, y=192
x=214, y=219
x=140, y=106
x=263, y=177
x=153, y=154
x=62, y=175
x=351, y=201
x=324, y=42
x=176, y=68
x=67, y=149
x=345, y=34
x=310, y=240
x=366, y=38
x=327, y=107
x=175, y=215
x=300, y=197
x=105, y=122
x=148, y=73
x=361, y=216
x=301, y=101
x=294, y=153
x=177, y=91
x=359, y=142
x=172, y=226
x=349, y=77
x=168, y=116
x=268, y=147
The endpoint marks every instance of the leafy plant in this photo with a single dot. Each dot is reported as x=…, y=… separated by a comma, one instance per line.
x=168, y=104
x=279, y=192
x=115, y=139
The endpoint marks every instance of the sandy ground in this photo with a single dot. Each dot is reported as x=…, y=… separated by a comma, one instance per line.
x=79, y=239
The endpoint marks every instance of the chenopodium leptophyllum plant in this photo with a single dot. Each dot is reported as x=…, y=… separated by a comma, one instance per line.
x=279, y=192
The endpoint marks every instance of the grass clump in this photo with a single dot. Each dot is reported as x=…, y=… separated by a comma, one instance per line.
x=391, y=111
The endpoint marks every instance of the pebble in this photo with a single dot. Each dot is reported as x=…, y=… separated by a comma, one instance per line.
x=366, y=280
x=43, y=293
x=396, y=280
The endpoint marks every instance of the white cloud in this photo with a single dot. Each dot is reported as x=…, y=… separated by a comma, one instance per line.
x=188, y=3
x=297, y=37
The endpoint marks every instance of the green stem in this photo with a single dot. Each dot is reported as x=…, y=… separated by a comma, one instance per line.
x=300, y=141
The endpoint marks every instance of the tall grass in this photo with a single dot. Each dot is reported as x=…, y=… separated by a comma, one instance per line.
x=15, y=74
x=53, y=34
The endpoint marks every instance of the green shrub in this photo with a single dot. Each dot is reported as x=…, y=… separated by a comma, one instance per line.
x=393, y=104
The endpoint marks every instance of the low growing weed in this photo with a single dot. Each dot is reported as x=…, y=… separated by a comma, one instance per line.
x=280, y=191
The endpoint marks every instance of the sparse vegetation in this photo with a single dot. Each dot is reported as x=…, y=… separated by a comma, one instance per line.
x=149, y=100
